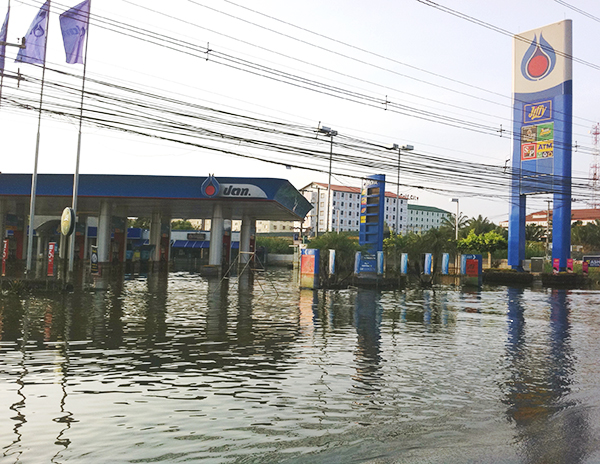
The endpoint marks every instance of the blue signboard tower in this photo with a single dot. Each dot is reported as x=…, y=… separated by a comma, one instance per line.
x=372, y=206
x=542, y=115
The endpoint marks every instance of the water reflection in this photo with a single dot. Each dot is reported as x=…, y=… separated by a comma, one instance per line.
x=551, y=427
x=178, y=367
x=367, y=318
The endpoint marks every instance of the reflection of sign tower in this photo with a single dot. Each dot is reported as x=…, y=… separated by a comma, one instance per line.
x=542, y=93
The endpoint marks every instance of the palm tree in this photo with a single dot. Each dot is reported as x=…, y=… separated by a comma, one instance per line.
x=534, y=233
x=449, y=224
x=480, y=225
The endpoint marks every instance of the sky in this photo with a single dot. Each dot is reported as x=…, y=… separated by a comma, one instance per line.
x=158, y=103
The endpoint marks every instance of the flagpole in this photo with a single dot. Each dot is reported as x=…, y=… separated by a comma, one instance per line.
x=37, y=152
x=76, y=176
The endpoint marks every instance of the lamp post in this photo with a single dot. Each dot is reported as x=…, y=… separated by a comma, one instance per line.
x=399, y=148
x=331, y=133
x=455, y=200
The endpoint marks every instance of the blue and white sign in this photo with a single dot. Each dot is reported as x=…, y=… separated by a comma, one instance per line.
x=445, y=263
x=404, y=263
x=542, y=127
x=331, y=262
x=427, y=263
x=380, y=263
x=593, y=261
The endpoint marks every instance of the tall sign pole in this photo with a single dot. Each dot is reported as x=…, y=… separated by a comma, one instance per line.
x=77, y=19
x=39, y=28
x=542, y=117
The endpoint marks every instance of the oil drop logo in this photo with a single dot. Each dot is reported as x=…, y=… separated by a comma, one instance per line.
x=539, y=60
x=210, y=187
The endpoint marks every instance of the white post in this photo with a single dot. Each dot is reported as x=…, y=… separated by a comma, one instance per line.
x=103, y=235
x=215, y=252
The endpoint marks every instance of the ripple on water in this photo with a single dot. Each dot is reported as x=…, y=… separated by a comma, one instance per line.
x=190, y=369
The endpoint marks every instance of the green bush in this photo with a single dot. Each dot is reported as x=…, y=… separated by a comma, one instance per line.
x=276, y=245
x=345, y=247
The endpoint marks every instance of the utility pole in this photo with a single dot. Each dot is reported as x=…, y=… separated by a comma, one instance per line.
x=547, y=228
x=331, y=133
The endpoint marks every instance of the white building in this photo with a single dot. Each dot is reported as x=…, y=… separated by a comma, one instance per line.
x=423, y=218
x=540, y=218
x=344, y=209
x=277, y=227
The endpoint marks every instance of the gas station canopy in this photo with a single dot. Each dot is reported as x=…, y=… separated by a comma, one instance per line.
x=170, y=196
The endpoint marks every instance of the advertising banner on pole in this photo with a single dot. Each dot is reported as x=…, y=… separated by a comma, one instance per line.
x=404, y=263
x=445, y=263
x=4, y=256
x=51, y=254
x=94, y=261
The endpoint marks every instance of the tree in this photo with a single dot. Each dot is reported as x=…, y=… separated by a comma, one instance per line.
x=345, y=247
x=483, y=243
x=449, y=223
x=480, y=225
x=182, y=225
x=276, y=245
x=534, y=233
x=587, y=235
x=142, y=223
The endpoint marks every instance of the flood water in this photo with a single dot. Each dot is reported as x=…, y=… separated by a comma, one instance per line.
x=177, y=368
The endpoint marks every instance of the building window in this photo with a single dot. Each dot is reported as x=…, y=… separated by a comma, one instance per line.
x=274, y=227
x=342, y=203
x=342, y=194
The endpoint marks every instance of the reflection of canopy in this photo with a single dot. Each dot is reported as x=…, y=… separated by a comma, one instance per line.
x=170, y=196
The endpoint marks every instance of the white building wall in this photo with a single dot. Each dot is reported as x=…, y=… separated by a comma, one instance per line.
x=345, y=210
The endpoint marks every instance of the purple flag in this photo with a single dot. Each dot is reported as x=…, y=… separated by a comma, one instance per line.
x=3, y=34
x=74, y=26
x=35, y=40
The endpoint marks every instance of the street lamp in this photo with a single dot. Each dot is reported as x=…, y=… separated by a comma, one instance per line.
x=399, y=148
x=455, y=200
x=331, y=133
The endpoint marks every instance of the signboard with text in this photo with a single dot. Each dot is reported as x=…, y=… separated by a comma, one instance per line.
x=4, y=256
x=51, y=255
x=542, y=124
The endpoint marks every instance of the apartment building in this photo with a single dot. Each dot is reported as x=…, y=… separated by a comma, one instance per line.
x=422, y=218
x=344, y=209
